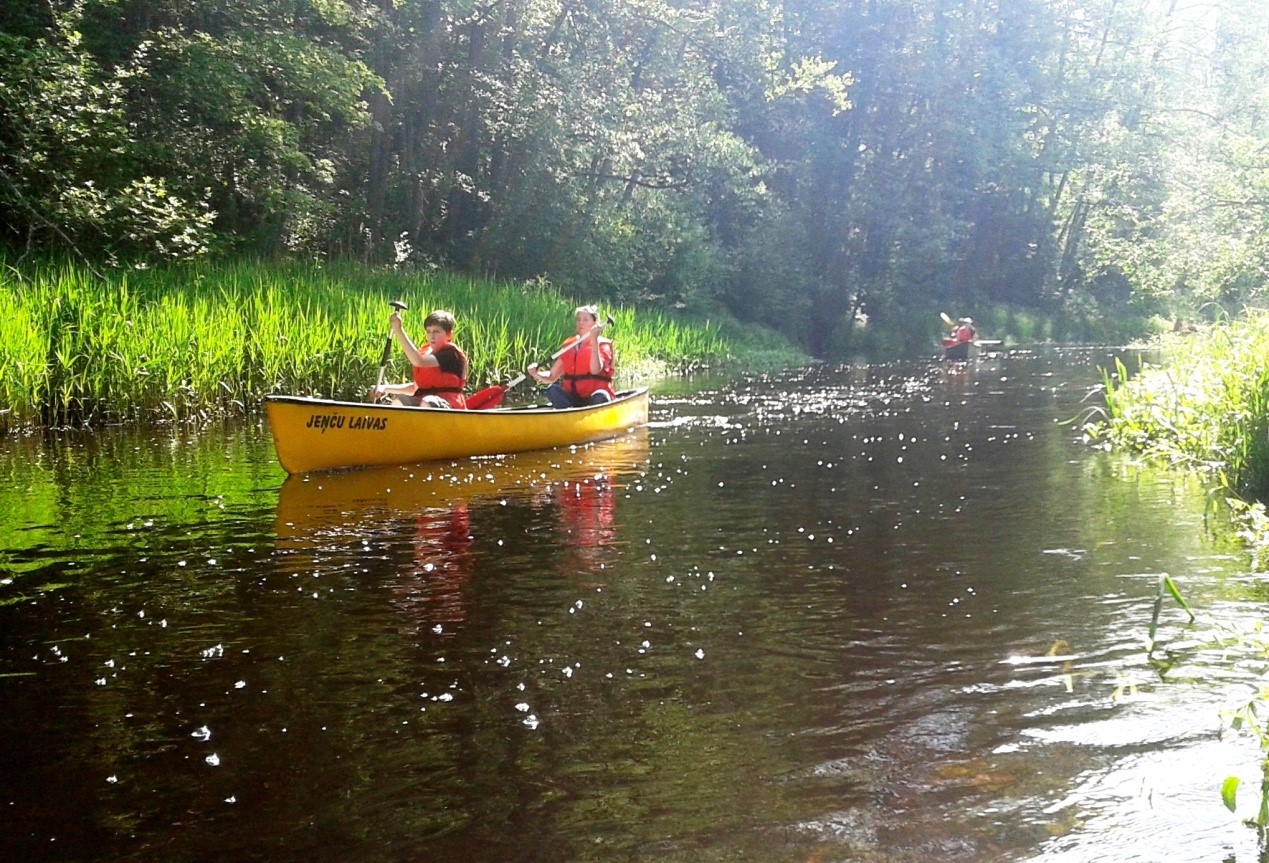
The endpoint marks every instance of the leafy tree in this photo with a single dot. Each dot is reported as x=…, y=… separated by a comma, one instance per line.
x=808, y=164
x=137, y=128
x=582, y=140
x=67, y=178
x=1198, y=237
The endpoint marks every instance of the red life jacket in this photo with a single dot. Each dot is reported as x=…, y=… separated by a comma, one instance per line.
x=432, y=381
x=577, y=379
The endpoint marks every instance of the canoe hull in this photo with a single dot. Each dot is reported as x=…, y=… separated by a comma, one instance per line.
x=959, y=350
x=318, y=434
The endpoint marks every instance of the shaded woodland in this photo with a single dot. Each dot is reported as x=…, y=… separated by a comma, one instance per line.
x=806, y=165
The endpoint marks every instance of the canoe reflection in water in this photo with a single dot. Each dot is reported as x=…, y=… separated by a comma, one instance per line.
x=586, y=509
x=443, y=507
x=442, y=566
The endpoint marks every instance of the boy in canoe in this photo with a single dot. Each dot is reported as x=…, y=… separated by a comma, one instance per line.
x=440, y=370
x=582, y=373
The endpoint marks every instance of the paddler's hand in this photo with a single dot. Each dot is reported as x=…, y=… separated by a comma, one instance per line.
x=532, y=371
x=394, y=321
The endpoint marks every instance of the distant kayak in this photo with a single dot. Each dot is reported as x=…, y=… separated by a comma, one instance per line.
x=320, y=434
x=966, y=350
x=959, y=350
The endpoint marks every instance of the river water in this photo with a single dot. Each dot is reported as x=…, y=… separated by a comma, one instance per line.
x=889, y=613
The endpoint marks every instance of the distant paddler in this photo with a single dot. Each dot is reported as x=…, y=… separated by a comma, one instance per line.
x=439, y=370
x=958, y=345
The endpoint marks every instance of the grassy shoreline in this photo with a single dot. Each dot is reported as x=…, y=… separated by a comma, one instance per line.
x=1204, y=406
x=209, y=340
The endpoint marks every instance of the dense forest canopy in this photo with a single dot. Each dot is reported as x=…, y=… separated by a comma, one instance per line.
x=806, y=164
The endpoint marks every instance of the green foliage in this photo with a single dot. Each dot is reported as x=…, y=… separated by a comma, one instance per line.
x=1249, y=718
x=65, y=172
x=799, y=166
x=259, y=118
x=1207, y=407
x=126, y=145
x=1166, y=587
x=194, y=342
x=1176, y=214
x=1229, y=792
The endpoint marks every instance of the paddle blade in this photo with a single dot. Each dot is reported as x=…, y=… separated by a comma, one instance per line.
x=489, y=397
x=947, y=319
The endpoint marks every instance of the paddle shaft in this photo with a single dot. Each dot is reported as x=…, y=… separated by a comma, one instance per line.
x=562, y=351
x=398, y=306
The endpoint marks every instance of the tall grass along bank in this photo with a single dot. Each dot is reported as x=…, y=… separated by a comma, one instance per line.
x=209, y=340
x=1204, y=406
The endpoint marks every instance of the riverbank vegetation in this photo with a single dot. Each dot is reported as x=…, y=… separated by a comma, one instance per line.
x=805, y=167
x=203, y=340
x=1203, y=405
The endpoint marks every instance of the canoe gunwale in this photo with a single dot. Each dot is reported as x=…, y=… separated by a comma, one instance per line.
x=544, y=409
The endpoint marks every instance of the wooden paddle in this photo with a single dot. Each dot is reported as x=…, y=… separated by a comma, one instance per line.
x=947, y=319
x=398, y=306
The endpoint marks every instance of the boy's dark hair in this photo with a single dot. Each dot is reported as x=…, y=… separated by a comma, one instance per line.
x=440, y=318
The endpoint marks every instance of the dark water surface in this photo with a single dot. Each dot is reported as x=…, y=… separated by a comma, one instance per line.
x=870, y=614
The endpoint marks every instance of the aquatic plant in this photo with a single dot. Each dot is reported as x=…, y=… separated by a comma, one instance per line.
x=196, y=341
x=1250, y=718
x=1167, y=587
x=1205, y=406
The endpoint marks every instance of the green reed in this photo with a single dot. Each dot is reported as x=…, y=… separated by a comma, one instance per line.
x=212, y=339
x=1206, y=405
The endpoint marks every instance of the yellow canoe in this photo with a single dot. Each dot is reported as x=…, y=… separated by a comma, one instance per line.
x=318, y=434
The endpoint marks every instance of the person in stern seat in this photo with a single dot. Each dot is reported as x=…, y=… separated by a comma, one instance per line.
x=582, y=375
x=440, y=370
x=964, y=331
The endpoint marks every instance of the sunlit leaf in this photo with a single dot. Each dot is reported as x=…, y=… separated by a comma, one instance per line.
x=1229, y=789
x=1172, y=589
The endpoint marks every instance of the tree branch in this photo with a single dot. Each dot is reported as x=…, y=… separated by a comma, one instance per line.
x=42, y=219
